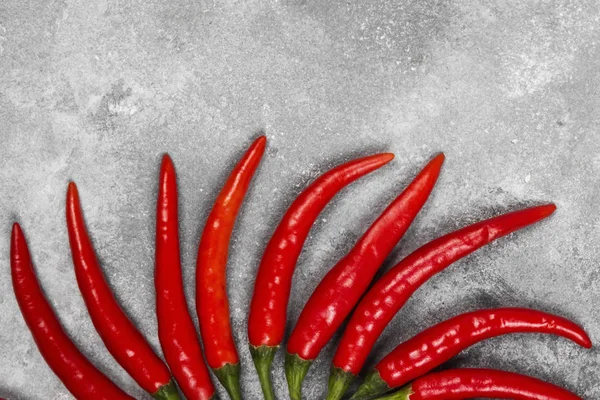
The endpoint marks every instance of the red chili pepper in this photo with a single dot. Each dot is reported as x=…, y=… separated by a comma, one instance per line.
x=212, y=304
x=268, y=310
x=120, y=336
x=339, y=291
x=390, y=293
x=458, y=384
x=441, y=342
x=76, y=372
x=176, y=331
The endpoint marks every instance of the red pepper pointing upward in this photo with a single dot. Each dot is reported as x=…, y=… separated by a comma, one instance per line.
x=339, y=291
x=458, y=384
x=441, y=342
x=390, y=292
x=212, y=304
x=120, y=336
x=75, y=371
x=268, y=310
x=176, y=331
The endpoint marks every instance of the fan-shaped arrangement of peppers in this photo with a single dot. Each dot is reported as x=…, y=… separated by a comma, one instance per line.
x=346, y=293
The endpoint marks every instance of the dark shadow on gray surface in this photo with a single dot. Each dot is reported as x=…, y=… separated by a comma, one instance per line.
x=12, y=395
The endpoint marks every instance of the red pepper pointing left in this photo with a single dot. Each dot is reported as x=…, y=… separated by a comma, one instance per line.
x=120, y=336
x=75, y=371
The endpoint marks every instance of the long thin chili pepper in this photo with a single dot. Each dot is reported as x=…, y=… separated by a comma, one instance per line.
x=390, y=293
x=76, y=372
x=458, y=384
x=441, y=342
x=120, y=336
x=268, y=310
x=212, y=304
x=339, y=291
x=176, y=331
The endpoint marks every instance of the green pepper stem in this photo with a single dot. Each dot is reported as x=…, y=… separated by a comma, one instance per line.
x=296, y=369
x=263, y=358
x=167, y=392
x=339, y=381
x=229, y=376
x=371, y=387
x=402, y=394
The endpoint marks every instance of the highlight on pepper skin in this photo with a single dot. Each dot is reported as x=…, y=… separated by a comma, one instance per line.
x=176, y=331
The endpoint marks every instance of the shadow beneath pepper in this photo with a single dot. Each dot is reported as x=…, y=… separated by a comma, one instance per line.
x=12, y=395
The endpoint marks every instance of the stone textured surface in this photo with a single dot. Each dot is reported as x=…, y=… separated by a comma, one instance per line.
x=96, y=91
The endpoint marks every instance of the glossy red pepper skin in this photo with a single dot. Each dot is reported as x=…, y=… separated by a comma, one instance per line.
x=212, y=304
x=176, y=331
x=268, y=309
x=458, y=384
x=390, y=292
x=339, y=291
x=120, y=336
x=76, y=372
x=441, y=342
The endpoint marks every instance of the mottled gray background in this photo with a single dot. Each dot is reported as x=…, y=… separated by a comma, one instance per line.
x=96, y=91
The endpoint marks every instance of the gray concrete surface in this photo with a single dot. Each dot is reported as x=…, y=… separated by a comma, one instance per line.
x=96, y=91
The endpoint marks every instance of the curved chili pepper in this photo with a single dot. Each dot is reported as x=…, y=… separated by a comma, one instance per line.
x=176, y=331
x=212, y=304
x=390, y=292
x=120, y=336
x=441, y=342
x=75, y=371
x=341, y=288
x=268, y=310
x=458, y=384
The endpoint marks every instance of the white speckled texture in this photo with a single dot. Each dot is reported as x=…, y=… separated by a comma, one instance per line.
x=96, y=91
